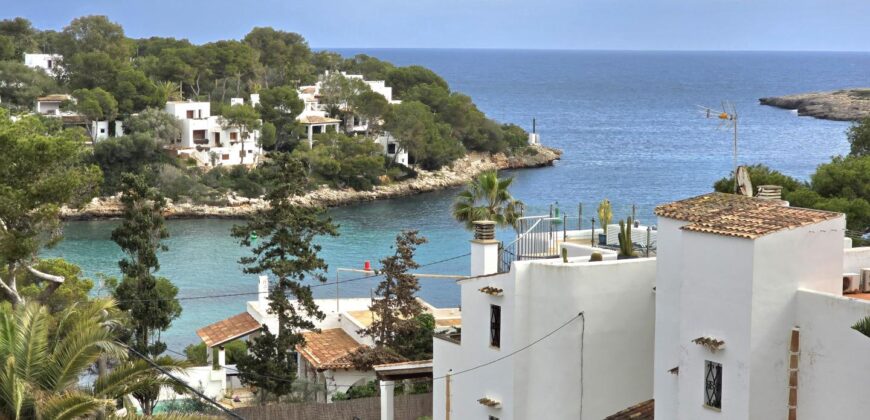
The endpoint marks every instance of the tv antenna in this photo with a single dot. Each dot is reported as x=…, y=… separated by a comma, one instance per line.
x=727, y=117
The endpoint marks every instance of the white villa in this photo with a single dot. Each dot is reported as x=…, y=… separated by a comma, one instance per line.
x=741, y=315
x=205, y=139
x=314, y=116
x=46, y=62
x=50, y=106
x=324, y=359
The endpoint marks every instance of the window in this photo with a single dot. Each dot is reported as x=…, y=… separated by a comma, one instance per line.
x=495, y=326
x=234, y=136
x=391, y=148
x=225, y=156
x=189, y=113
x=493, y=418
x=713, y=384
x=199, y=137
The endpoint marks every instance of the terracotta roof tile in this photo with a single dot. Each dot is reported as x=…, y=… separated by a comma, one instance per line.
x=740, y=216
x=314, y=119
x=328, y=349
x=56, y=97
x=228, y=330
x=641, y=411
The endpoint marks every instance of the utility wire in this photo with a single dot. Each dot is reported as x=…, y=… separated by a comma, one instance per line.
x=473, y=368
x=371, y=276
x=184, y=384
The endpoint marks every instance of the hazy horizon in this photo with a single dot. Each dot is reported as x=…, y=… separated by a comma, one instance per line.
x=596, y=25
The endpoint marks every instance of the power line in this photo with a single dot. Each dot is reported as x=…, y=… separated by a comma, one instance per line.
x=184, y=384
x=371, y=276
x=473, y=368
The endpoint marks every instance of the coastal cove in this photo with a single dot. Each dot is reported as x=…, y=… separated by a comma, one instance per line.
x=626, y=122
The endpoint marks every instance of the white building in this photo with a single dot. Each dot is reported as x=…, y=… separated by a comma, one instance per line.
x=205, y=138
x=324, y=360
x=742, y=315
x=594, y=365
x=315, y=119
x=47, y=62
x=751, y=320
x=50, y=105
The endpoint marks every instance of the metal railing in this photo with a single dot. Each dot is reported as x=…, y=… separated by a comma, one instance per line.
x=537, y=238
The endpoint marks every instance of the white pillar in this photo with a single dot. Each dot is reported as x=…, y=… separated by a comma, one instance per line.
x=387, y=409
x=222, y=356
x=484, y=249
x=263, y=292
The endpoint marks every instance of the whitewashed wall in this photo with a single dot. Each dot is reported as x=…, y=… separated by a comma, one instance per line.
x=834, y=369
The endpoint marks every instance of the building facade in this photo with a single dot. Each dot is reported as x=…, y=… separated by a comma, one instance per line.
x=207, y=139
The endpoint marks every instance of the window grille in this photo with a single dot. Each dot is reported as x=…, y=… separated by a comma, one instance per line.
x=495, y=325
x=713, y=384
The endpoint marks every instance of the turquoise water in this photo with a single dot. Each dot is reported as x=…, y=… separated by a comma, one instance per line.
x=627, y=123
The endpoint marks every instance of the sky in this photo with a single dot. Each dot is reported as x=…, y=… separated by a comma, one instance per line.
x=790, y=25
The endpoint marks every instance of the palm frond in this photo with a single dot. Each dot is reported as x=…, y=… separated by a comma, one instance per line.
x=70, y=405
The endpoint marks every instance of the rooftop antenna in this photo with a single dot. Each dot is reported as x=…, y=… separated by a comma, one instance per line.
x=727, y=117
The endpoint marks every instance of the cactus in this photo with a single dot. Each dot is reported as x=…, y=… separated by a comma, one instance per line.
x=605, y=215
x=596, y=256
x=564, y=254
x=626, y=247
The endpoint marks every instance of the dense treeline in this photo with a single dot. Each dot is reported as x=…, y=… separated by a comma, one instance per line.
x=114, y=76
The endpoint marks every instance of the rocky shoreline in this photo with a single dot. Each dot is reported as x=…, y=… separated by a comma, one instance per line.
x=458, y=174
x=839, y=105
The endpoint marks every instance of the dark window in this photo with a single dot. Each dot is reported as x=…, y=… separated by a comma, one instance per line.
x=234, y=136
x=225, y=156
x=391, y=148
x=199, y=137
x=495, y=325
x=713, y=384
x=493, y=418
x=190, y=113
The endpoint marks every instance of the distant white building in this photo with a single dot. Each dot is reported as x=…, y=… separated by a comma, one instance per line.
x=314, y=116
x=745, y=313
x=51, y=106
x=205, y=138
x=47, y=62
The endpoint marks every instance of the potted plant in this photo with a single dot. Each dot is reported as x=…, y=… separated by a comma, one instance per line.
x=605, y=215
x=626, y=247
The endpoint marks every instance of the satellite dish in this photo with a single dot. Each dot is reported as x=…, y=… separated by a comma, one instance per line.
x=744, y=184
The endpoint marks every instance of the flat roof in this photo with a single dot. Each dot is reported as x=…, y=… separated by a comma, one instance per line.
x=740, y=216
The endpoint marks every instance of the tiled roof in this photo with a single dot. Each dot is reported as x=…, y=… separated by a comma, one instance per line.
x=740, y=216
x=314, y=119
x=641, y=411
x=58, y=97
x=228, y=330
x=328, y=349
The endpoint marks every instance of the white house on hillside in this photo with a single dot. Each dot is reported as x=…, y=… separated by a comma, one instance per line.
x=314, y=116
x=745, y=313
x=205, y=138
x=46, y=62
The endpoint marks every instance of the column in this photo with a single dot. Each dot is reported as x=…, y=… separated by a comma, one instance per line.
x=387, y=409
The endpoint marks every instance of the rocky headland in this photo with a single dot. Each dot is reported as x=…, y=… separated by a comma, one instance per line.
x=236, y=207
x=839, y=105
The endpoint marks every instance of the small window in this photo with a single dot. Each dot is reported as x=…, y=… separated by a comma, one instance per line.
x=713, y=385
x=234, y=136
x=495, y=326
x=190, y=113
x=493, y=418
x=391, y=148
x=225, y=156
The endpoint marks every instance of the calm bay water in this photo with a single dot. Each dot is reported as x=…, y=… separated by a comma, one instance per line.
x=627, y=122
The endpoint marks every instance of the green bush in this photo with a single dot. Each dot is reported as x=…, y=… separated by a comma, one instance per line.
x=197, y=354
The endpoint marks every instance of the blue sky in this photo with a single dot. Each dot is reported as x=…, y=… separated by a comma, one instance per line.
x=827, y=25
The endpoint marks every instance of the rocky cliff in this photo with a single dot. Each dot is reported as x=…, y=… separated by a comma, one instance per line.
x=840, y=105
x=459, y=173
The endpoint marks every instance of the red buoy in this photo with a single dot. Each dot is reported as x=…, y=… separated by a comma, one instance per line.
x=368, y=266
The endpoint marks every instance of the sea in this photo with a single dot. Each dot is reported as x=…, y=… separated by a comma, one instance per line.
x=629, y=124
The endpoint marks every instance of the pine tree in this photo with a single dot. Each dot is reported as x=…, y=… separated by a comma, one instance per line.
x=286, y=249
x=398, y=321
x=150, y=301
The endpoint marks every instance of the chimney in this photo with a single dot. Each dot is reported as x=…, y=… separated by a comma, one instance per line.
x=769, y=192
x=484, y=249
x=263, y=292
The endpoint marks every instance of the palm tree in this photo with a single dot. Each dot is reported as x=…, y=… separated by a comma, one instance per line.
x=42, y=358
x=172, y=90
x=487, y=198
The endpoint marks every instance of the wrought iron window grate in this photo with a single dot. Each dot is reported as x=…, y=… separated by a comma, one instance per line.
x=713, y=384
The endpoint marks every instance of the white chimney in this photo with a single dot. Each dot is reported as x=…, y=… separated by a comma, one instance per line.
x=484, y=249
x=263, y=292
